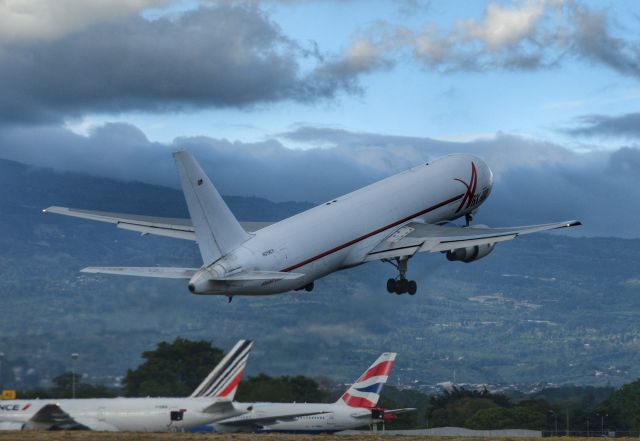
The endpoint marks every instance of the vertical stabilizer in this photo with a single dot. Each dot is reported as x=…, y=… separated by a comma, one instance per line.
x=217, y=229
x=365, y=392
x=223, y=380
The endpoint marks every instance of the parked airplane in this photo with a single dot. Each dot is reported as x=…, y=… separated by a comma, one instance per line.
x=390, y=220
x=355, y=408
x=211, y=401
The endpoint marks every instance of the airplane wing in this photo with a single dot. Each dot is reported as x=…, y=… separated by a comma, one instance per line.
x=153, y=271
x=223, y=409
x=187, y=273
x=397, y=411
x=386, y=412
x=159, y=226
x=417, y=237
x=51, y=416
x=261, y=421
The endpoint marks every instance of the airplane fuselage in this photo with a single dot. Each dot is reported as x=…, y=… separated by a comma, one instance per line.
x=328, y=418
x=340, y=233
x=117, y=414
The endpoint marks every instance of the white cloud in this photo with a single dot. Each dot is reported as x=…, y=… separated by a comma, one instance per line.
x=46, y=19
x=505, y=26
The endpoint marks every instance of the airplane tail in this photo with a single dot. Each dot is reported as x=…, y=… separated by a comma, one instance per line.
x=217, y=230
x=223, y=380
x=365, y=392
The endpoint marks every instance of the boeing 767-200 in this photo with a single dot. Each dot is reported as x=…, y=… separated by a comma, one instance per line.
x=390, y=220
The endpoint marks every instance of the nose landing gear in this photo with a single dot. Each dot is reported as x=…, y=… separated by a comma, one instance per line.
x=400, y=284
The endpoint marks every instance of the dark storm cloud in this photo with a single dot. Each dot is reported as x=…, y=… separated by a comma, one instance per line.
x=535, y=182
x=626, y=126
x=224, y=56
x=266, y=169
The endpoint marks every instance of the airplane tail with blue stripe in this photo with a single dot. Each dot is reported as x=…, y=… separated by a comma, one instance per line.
x=365, y=392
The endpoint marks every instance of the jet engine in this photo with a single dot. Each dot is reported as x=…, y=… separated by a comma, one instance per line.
x=469, y=254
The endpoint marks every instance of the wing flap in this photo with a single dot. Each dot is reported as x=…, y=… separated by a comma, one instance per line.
x=159, y=272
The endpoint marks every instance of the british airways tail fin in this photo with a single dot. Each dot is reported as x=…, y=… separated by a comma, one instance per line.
x=217, y=230
x=365, y=392
x=223, y=380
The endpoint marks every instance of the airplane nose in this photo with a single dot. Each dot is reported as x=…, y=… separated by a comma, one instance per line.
x=192, y=287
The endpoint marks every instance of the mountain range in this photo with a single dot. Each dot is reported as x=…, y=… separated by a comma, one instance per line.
x=542, y=308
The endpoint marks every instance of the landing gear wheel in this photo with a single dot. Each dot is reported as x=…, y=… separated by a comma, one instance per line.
x=400, y=284
x=401, y=287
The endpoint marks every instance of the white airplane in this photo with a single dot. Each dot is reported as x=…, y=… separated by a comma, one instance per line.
x=390, y=220
x=211, y=401
x=355, y=408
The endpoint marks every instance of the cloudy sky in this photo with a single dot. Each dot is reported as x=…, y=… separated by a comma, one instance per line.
x=305, y=100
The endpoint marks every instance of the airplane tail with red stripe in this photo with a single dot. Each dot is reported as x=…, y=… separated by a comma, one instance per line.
x=223, y=380
x=365, y=392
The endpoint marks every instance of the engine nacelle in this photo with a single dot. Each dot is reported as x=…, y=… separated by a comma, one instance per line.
x=469, y=254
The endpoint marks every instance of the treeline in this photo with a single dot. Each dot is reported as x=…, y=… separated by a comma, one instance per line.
x=175, y=369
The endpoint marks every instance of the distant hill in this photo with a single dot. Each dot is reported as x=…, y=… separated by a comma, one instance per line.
x=541, y=308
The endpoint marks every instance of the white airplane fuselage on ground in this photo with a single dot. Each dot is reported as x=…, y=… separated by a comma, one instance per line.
x=340, y=233
x=117, y=414
x=326, y=418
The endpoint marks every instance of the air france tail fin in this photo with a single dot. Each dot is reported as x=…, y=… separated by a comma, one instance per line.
x=365, y=392
x=223, y=381
x=217, y=230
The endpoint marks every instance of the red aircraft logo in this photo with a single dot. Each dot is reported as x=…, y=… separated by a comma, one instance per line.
x=471, y=189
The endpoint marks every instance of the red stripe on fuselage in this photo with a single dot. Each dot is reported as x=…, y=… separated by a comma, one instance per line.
x=373, y=233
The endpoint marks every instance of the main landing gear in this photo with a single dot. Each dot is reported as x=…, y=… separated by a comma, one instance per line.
x=400, y=284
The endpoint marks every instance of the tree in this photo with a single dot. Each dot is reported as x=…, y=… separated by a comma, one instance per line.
x=455, y=407
x=172, y=369
x=63, y=388
x=623, y=407
x=280, y=389
x=484, y=410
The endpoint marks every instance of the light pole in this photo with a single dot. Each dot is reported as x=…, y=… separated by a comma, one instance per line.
x=601, y=415
x=555, y=420
x=1, y=359
x=74, y=357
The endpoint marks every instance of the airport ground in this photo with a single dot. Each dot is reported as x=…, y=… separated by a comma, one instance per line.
x=125, y=436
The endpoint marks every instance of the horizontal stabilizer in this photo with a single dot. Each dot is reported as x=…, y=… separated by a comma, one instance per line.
x=397, y=411
x=222, y=409
x=160, y=272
